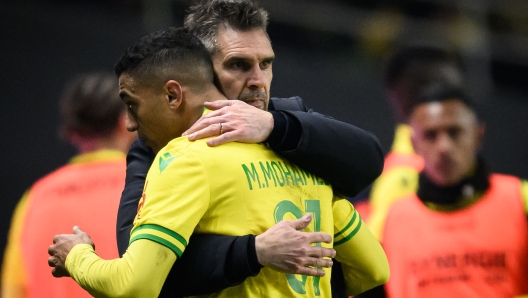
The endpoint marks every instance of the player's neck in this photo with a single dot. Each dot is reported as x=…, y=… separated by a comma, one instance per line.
x=212, y=94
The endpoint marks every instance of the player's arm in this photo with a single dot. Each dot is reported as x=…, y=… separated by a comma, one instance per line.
x=14, y=283
x=139, y=273
x=362, y=258
x=352, y=157
x=524, y=194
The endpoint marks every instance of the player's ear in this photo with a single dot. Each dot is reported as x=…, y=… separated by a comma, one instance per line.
x=173, y=93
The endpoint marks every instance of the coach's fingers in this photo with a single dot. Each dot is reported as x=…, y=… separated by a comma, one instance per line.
x=222, y=139
x=208, y=131
x=318, y=262
x=301, y=223
x=205, y=121
x=320, y=252
x=218, y=104
x=316, y=237
x=310, y=271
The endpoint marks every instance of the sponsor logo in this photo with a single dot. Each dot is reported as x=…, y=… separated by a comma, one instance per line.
x=165, y=160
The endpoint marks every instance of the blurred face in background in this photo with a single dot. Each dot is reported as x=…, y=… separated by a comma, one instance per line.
x=243, y=65
x=447, y=135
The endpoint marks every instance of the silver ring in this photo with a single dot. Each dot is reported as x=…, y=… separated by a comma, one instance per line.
x=221, y=129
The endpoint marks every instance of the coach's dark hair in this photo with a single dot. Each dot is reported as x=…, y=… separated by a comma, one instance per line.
x=204, y=19
x=172, y=53
x=90, y=105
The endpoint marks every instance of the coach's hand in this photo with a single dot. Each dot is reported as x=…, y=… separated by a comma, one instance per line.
x=232, y=121
x=62, y=245
x=286, y=249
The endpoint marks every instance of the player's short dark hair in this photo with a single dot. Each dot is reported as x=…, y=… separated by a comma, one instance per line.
x=90, y=105
x=420, y=57
x=172, y=53
x=205, y=18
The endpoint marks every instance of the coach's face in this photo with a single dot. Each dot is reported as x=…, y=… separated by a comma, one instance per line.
x=243, y=65
x=447, y=135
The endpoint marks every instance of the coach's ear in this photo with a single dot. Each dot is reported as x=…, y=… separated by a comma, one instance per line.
x=174, y=94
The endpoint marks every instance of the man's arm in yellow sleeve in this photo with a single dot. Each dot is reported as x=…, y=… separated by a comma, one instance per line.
x=13, y=275
x=391, y=186
x=524, y=193
x=362, y=258
x=141, y=271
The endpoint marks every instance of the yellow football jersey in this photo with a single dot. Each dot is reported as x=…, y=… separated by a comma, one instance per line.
x=234, y=189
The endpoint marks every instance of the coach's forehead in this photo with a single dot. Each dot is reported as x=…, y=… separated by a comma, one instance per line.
x=254, y=42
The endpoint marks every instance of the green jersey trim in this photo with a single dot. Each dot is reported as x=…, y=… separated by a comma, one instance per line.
x=348, y=225
x=159, y=240
x=170, y=239
x=352, y=233
x=170, y=233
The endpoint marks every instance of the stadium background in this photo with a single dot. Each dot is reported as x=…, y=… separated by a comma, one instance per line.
x=329, y=52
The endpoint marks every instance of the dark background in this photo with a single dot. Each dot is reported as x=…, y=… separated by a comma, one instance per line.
x=331, y=53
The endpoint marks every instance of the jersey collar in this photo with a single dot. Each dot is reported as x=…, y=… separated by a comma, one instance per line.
x=98, y=155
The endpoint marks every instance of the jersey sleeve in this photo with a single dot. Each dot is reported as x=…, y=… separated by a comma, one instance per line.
x=140, y=273
x=362, y=258
x=175, y=197
x=14, y=282
x=524, y=194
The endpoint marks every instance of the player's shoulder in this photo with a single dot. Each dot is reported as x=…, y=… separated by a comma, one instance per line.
x=183, y=147
x=512, y=183
x=55, y=177
x=228, y=153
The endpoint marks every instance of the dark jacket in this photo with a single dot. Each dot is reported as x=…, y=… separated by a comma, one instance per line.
x=342, y=154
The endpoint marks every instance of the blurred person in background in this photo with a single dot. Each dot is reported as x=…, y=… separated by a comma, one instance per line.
x=85, y=191
x=407, y=72
x=234, y=33
x=464, y=233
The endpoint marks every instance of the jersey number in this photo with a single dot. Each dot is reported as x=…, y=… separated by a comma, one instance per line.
x=314, y=207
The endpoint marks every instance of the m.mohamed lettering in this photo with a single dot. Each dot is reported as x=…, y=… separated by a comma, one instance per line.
x=278, y=173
